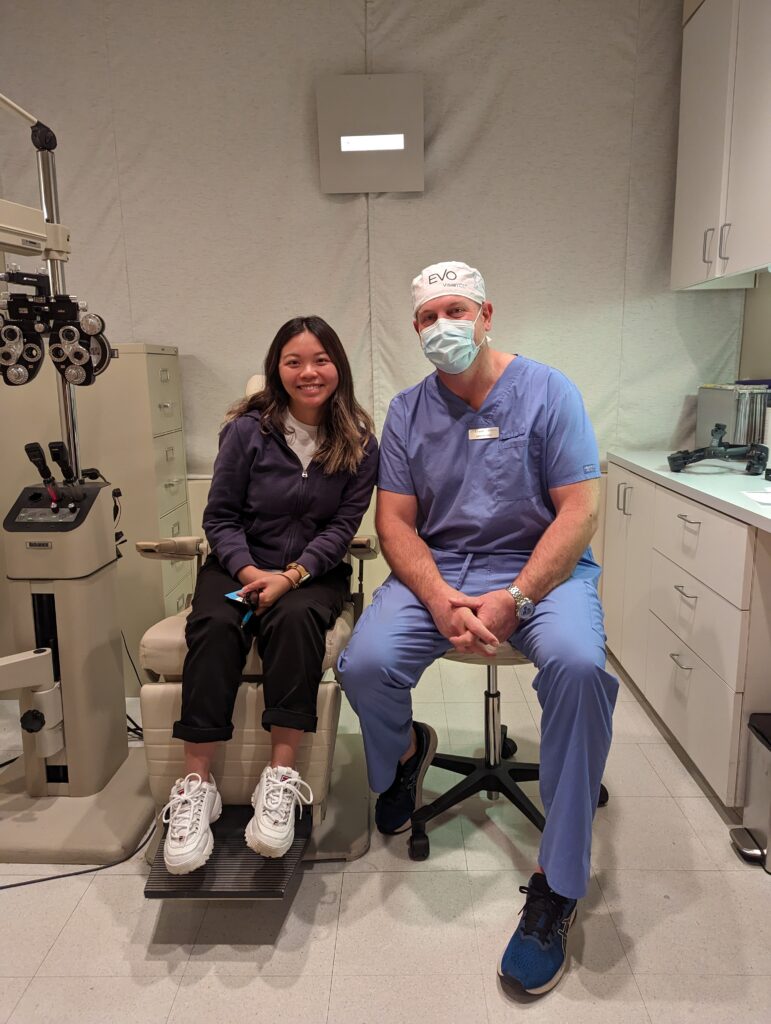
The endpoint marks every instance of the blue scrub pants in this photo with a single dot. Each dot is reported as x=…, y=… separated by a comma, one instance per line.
x=396, y=640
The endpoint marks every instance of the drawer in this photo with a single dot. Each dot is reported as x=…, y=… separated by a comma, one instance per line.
x=164, y=393
x=712, y=547
x=170, y=472
x=175, y=524
x=696, y=705
x=176, y=601
x=706, y=622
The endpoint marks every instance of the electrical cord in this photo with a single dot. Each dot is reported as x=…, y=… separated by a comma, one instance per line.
x=84, y=871
x=6, y=763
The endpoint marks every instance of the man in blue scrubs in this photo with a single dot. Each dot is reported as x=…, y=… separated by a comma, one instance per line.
x=487, y=500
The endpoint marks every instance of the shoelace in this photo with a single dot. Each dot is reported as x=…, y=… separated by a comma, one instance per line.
x=282, y=794
x=542, y=913
x=183, y=811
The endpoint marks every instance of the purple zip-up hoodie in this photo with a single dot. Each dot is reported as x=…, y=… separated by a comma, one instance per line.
x=265, y=510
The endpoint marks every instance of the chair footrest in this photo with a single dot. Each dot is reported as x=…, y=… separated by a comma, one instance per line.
x=233, y=871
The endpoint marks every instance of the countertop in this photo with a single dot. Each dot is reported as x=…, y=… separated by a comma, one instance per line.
x=718, y=485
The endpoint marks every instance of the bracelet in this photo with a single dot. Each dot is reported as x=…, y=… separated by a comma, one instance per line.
x=292, y=583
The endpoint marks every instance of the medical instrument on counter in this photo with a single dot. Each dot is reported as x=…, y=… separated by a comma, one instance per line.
x=755, y=454
x=78, y=794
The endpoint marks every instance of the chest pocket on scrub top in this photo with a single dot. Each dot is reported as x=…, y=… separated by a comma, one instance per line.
x=518, y=461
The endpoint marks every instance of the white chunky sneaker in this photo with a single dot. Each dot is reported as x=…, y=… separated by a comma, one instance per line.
x=193, y=805
x=279, y=791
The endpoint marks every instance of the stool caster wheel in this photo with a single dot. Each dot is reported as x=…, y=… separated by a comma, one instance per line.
x=418, y=846
x=603, y=797
x=508, y=746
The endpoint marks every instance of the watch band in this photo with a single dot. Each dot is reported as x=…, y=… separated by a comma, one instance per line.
x=304, y=574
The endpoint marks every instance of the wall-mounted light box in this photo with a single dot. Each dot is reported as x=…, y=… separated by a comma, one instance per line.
x=370, y=133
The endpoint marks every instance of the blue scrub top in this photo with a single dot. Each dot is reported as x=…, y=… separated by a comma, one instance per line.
x=489, y=496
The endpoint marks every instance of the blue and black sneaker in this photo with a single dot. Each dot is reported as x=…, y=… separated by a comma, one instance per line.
x=394, y=808
x=535, y=957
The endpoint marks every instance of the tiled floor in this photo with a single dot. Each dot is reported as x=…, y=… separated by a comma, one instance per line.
x=674, y=928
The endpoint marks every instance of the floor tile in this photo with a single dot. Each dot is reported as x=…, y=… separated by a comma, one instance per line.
x=428, y=998
x=497, y=836
x=632, y=725
x=390, y=853
x=268, y=937
x=580, y=998
x=708, y=999
x=466, y=723
x=32, y=918
x=690, y=922
x=222, y=999
x=712, y=826
x=646, y=832
x=593, y=944
x=11, y=991
x=629, y=773
x=96, y=1000
x=391, y=923
x=116, y=931
x=671, y=770
x=429, y=687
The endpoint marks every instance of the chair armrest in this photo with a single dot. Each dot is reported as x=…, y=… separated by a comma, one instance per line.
x=364, y=546
x=174, y=548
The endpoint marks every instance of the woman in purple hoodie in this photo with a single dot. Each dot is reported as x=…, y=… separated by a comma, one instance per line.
x=294, y=475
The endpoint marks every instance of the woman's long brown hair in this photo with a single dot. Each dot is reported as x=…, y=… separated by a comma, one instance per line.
x=346, y=427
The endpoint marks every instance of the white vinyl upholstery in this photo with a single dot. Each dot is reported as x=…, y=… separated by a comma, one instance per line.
x=238, y=763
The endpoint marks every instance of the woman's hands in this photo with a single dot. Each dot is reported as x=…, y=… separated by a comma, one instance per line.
x=268, y=587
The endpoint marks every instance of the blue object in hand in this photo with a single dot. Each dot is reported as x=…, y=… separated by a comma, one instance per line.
x=237, y=599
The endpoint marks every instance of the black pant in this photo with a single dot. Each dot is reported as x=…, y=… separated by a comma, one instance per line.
x=291, y=642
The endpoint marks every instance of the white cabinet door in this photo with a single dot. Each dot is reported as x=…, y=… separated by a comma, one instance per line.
x=706, y=96
x=638, y=507
x=746, y=232
x=614, y=557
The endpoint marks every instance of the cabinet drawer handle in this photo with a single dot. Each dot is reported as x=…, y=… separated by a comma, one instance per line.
x=180, y=602
x=690, y=522
x=165, y=405
x=618, y=496
x=676, y=659
x=175, y=530
x=170, y=454
x=174, y=483
x=165, y=376
x=705, y=245
x=681, y=590
x=721, y=244
x=628, y=490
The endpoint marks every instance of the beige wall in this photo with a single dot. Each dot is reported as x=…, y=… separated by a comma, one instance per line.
x=690, y=7
x=756, y=338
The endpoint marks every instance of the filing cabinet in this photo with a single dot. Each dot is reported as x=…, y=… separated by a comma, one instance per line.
x=131, y=428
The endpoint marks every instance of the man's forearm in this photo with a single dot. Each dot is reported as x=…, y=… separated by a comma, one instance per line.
x=556, y=554
x=410, y=560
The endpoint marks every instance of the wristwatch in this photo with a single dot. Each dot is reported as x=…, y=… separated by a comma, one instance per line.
x=304, y=574
x=525, y=607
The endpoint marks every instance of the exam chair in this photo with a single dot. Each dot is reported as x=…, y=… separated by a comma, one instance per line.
x=233, y=871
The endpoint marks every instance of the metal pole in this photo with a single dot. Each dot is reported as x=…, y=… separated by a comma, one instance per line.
x=49, y=199
x=492, y=723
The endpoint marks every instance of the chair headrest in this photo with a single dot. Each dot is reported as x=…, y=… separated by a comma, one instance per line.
x=255, y=383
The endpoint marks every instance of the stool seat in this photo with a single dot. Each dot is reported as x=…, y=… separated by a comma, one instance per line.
x=505, y=655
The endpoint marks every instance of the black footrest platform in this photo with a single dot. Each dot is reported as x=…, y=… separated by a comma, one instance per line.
x=233, y=871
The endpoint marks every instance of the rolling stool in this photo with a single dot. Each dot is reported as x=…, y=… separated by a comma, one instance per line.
x=488, y=773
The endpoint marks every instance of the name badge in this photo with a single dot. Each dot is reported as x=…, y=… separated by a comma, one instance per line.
x=483, y=433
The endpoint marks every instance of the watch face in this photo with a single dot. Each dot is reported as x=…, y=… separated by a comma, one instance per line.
x=526, y=609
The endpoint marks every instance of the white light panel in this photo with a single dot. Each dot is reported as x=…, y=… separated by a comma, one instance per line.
x=368, y=143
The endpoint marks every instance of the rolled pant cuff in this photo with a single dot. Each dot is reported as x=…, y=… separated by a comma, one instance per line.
x=289, y=719
x=193, y=734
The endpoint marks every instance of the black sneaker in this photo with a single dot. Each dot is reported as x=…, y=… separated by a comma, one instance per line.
x=536, y=955
x=394, y=808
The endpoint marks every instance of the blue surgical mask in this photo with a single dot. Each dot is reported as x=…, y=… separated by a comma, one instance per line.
x=449, y=344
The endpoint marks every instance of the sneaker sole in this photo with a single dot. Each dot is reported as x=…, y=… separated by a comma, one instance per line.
x=425, y=765
x=549, y=984
x=257, y=844
x=200, y=858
